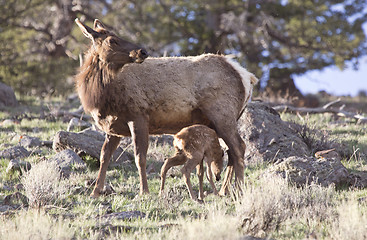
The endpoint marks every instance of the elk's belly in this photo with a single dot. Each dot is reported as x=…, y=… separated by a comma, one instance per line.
x=171, y=122
x=160, y=122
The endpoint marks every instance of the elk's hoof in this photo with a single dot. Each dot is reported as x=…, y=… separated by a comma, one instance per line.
x=222, y=193
x=95, y=194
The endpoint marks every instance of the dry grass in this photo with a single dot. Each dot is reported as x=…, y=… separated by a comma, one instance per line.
x=269, y=207
x=271, y=204
x=33, y=224
x=351, y=222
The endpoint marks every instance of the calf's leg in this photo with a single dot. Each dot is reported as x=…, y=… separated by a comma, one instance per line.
x=200, y=173
x=190, y=164
x=109, y=146
x=176, y=160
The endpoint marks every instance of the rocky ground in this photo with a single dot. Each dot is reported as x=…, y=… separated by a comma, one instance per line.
x=330, y=154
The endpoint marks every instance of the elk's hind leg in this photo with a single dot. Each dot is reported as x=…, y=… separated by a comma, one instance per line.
x=209, y=176
x=226, y=128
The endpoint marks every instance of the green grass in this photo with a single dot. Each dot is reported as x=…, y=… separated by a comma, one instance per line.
x=268, y=207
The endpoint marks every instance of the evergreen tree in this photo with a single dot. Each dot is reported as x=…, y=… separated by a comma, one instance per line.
x=274, y=39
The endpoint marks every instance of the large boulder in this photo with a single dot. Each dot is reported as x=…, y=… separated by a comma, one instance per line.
x=30, y=142
x=88, y=142
x=7, y=96
x=303, y=170
x=267, y=137
x=14, y=152
x=67, y=160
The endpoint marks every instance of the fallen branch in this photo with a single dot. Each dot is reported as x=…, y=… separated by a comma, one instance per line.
x=78, y=114
x=325, y=109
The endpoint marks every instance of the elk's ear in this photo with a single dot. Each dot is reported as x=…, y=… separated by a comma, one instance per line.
x=98, y=24
x=87, y=31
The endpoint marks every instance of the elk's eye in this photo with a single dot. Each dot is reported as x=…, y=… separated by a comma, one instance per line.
x=113, y=41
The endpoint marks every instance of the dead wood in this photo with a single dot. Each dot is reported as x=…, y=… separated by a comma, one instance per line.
x=324, y=109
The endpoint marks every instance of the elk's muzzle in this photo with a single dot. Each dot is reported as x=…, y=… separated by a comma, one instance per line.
x=138, y=56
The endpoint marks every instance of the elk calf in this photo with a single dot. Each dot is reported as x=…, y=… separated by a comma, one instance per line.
x=193, y=145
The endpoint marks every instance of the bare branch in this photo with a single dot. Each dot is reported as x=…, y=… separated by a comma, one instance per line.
x=331, y=103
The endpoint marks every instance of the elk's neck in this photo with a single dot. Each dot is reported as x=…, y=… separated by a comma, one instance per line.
x=93, y=84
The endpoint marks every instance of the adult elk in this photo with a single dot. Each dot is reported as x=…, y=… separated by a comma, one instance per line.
x=160, y=95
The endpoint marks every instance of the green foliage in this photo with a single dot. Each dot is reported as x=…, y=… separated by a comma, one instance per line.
x=39, y=52
x=298, y=35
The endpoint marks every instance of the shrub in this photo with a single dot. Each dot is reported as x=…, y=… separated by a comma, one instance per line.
x=42, y=183
x=272, y=203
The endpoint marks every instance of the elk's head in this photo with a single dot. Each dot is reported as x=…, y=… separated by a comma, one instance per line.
x=109, y=48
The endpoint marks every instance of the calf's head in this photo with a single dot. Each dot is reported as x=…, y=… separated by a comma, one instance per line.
x=217, y=164
x=109, y=48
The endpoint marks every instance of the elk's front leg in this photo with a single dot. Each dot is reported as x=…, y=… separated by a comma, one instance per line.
x=209, y=175
x=109, y=146
x=140, y=135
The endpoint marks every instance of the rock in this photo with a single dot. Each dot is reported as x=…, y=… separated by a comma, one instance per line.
x=14, y=152
x=16, y=200
x=88, y=142
x=270, y=139
x=128, y=215
x=107, y=229
x=76, y=123
x=8, y=122
x=29, y=142
x=267, y=137
x=7, y=96
x=303, y=170
x=5, y=208
x=164, y=139
x=251, y=238
x=66, y=160
x=6, y=188
x=18, y=165
x=19, y=187
x=156, y=139
x=108, y=189
x=105, y=208
x=47, y=144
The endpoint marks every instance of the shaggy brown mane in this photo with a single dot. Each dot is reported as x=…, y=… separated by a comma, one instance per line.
x=92, y=81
